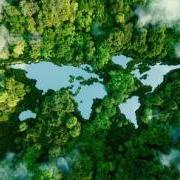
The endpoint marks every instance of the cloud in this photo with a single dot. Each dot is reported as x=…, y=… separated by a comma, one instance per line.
x=12, y=168
x=4, y=39
x=159, y=11
x=172, y=158
x=9, y=170
x=2, y=2
x=177, y=50
x=65, y=163
x=7, y=39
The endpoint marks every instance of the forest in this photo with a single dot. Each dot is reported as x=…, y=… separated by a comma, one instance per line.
x=59, y=143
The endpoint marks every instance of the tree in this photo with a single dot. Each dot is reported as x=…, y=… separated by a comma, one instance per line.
x=54, y=13
x=120, y=84
x=11, y=93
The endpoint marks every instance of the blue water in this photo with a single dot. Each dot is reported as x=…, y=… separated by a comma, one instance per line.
x=155, y=75
x=129, y=109
x=54, y=77
x=26, y=115
x=121, y=60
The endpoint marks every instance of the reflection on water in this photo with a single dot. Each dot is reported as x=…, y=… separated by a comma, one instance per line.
x=26, y=115
x=121, y=60
x=50, y=76
x=129, y=109
x=155, y=75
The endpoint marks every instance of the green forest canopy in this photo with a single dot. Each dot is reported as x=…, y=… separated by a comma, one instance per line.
x=86, y=32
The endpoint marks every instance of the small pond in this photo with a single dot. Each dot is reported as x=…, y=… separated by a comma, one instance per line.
x=26, y=115
x=121, y=60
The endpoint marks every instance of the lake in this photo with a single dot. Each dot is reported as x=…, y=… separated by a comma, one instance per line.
x=155, y=75
x=26, y=115
x=121, y=60
x=54, y=77
x=129, y=109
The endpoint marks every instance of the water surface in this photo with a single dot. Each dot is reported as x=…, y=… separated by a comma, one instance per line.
x=129, y=109
x=121, y=60
x=54, y=77
x=26, y=115
x=155, y=75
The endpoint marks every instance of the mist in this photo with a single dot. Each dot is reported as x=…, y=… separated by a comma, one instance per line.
x=2, y=2
x=9, y=170
x=159, y=12
x=4, y=39
x=172, y=158
x=177, y=50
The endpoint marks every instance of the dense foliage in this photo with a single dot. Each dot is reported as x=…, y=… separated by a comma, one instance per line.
x=107, y=146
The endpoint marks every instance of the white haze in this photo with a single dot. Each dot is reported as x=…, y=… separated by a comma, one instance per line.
x=172, y=158
x=2, y=3
x=7, y=39
x=4, y=38
x=10, y=171
x=13, y=169
x=159, y=11
x=177, y=50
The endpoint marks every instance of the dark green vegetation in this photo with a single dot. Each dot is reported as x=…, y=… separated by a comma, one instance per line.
x=87, y=32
